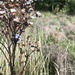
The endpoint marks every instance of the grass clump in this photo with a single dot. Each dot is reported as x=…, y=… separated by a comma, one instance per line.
x=57, y=50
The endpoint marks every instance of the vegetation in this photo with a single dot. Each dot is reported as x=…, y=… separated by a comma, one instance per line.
x=52, y=5
x=14, y=18
x=56, y=5
x=50, y=48
x=46, y=48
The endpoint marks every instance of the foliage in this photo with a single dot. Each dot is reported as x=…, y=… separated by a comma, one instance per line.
x=15, y=18
x=49, y=4
x=52, y=5
x=56, y=39
x=71, y=6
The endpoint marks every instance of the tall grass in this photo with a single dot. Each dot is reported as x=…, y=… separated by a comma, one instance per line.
x=54, y=57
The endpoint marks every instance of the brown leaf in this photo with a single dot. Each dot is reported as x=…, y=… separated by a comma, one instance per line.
x=28, y=37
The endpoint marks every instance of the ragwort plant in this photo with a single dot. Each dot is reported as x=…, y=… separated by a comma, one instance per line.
x=14, y=19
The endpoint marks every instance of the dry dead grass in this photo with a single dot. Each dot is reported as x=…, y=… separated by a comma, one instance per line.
x=53, y=33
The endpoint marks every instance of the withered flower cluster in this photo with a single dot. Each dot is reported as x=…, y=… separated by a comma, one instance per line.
x=15, y=15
